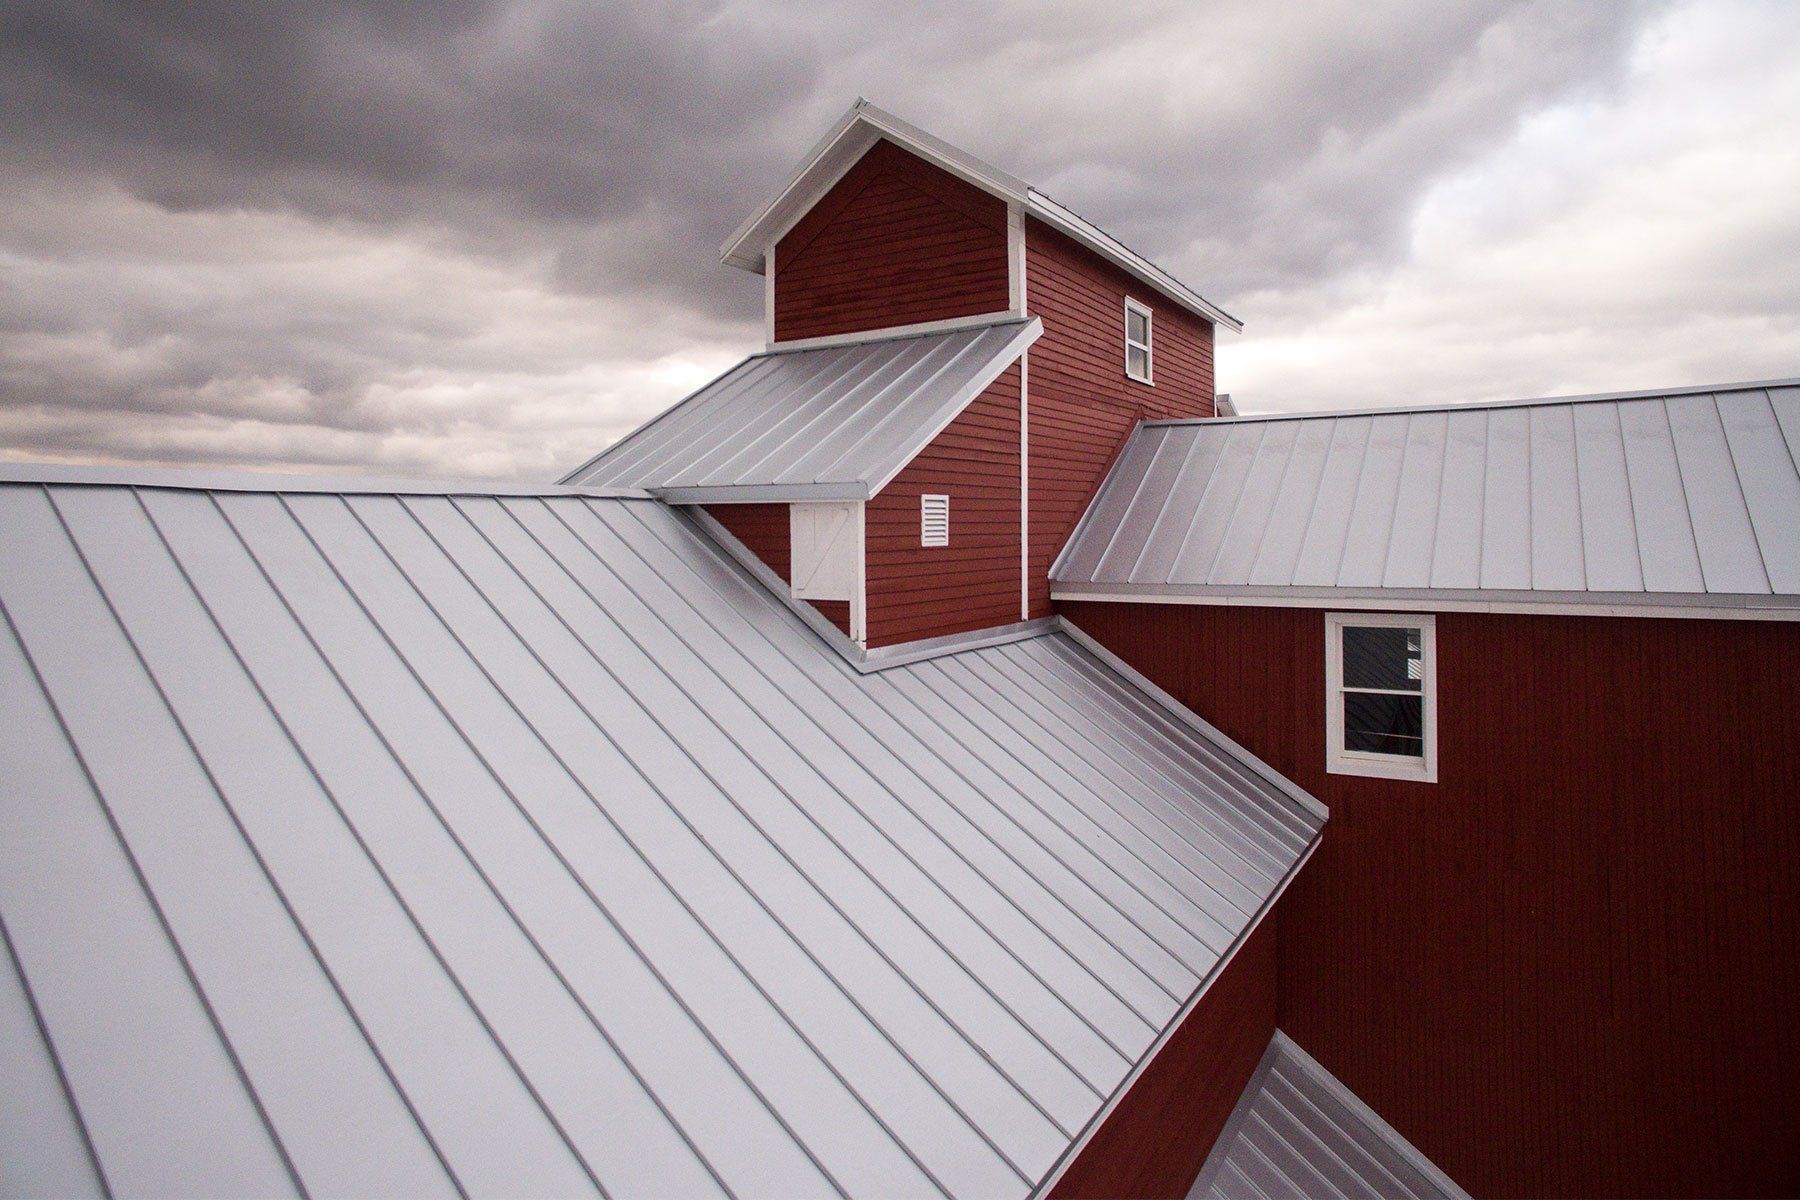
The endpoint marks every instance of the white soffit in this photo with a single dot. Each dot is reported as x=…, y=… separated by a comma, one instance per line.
x=1683, y=498
x=425, y=844
x=825, y=423
x=862, y=127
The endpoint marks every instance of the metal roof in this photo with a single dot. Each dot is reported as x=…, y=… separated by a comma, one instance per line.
x=420, y=844
x=865, y=124
x=830, y=423
x=1298, y=1133
x=1675, y=498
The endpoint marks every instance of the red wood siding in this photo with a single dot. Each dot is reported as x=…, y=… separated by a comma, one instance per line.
x=973, y=583
x=1569, y=968
x=1157, y=1139
x=1082, y=405
x=896, y=241
x=764, y=529
x=761, y=527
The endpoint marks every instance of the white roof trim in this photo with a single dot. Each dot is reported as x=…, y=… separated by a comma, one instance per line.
x=861, y=128
x=1576, y=604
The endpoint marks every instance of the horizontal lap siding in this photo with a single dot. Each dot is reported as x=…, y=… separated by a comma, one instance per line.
x=896, y=242
x=1157, y=1139
x=764, y=529
x=916, y=591
x=1569, y=967
x=1082, y=405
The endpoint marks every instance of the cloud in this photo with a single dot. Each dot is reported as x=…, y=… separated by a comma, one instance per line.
x=479, y=237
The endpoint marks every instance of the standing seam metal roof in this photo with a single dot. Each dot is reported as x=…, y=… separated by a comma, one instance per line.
x=1681, y=496
x=830, y=423
x=446, y=843
x=1298, y=1133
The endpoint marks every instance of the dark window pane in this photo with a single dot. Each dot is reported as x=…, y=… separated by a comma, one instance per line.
x=1137, y=328
x=1376, y=657
x=1384, y=724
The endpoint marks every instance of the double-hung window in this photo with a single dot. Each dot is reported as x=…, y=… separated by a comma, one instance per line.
x=1137, y=342
x=1381, y=695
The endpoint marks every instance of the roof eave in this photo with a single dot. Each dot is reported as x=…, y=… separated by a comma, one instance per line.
x=764, y=493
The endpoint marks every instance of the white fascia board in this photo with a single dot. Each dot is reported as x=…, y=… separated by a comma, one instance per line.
x=764, y=493
x=1579, y=604
x=846, y=142
x=1133, y=263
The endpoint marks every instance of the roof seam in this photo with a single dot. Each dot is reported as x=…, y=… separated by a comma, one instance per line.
x=874, y=1022
x=131, y=855
x=976, y=871
x=889, y=678
x=306, y=935
x=705, y=771
x=630, y=841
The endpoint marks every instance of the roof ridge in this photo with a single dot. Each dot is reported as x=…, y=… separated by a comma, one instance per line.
x=224, y=480
x=1703, y=389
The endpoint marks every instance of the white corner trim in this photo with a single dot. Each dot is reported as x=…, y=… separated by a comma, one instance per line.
x=889, y=332
x=1025, y=485
x=859, y=597
x=769, y=295
x=1340, y=761
x=1015, y=259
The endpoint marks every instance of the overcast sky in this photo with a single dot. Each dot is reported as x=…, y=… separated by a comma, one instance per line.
x=481, y=238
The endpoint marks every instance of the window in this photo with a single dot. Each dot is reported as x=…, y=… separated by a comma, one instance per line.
x=934, y=520
x=1381, y=695
x=1137, y=341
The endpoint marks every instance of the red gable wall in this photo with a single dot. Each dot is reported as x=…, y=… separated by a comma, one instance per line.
x=1082, y=405
x=897, y=241
x=1569, y=967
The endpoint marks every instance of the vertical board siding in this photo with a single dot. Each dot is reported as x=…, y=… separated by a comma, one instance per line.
x=973, y=583
x=1569, y=967
x=1082, y=404
x=1155, y=1142
x=896, y=241
x=764, y=529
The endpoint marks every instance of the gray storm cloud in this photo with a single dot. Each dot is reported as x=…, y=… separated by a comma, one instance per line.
x=479, y=238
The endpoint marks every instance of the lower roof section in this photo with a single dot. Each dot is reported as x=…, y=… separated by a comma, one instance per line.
x=1662, y=501
x=1299, y=1134
x=424, y=844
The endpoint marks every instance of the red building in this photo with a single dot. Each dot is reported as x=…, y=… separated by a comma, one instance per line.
x=1539, y=661
x=939, y=757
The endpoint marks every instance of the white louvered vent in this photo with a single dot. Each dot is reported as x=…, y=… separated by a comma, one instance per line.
x=934, y=520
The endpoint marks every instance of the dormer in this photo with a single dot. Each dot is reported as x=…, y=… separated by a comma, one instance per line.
x=953, y=359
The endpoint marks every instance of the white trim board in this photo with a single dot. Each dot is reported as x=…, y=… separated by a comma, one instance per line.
x=891, y=332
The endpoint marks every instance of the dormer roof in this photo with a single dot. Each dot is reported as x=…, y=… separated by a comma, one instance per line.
x=865, y=124
x=830, y=422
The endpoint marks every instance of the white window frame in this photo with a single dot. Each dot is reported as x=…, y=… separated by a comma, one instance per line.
x=1148, y=378
x=1338, y=760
